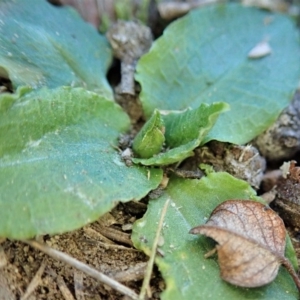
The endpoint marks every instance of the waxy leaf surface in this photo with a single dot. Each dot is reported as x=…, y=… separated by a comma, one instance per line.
x=44, y=45
x=59, y=167
x=203, y=58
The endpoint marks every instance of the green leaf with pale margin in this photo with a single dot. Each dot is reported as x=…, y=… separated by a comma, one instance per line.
x=203, y=58
x=183, y=127
x=150, y=139
x=185, y=131
x=187, y=273
x=59, y=167
x=44, y=45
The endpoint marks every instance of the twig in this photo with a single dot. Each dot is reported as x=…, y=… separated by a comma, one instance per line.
x=115, y=234
x=148, y=272
x=129, y=41
x=78, y=285
x=210, y=252
x=287, y=264
x=3, y=259
x=36, y=280
x=84, y=268
x=134, y=273
x=63, y=288
x=91, y=233
x=5, y=288
x=110, y=246
x=127, y=78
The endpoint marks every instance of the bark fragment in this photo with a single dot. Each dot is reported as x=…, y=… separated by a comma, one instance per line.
x=282, y=139
x=287, y=200
x=243, y=162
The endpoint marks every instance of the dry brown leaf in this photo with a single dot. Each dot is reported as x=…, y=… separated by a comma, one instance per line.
x=251, y=240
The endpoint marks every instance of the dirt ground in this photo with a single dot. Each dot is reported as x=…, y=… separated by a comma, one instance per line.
x=19, y=264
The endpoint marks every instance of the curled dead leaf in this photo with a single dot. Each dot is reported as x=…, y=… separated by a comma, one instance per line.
x=251, y=241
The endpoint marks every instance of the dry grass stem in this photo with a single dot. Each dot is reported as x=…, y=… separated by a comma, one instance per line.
x=148, y=273
x=35, y=282
x=84, y=268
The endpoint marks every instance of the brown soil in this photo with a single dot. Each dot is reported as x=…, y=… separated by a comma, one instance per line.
x=19, y=263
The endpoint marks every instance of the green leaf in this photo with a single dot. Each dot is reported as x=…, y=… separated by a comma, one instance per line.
x=203, y=58
x=291, y=253
x=185, y=131
x=44, y=45
x=58, y=165
x=150, y=139
x=191, y=124
x=187, y=273
x=170, y=157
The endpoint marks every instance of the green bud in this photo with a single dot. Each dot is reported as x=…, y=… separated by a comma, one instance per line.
x=150, y=139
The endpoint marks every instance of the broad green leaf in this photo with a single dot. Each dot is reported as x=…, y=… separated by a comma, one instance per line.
x=44, y=45
x=203, y=58
x=58, y=165
x=187, y=273
x=150, y=139
x=185, y=131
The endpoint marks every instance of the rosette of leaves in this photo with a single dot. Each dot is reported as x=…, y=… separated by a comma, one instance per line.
x=182, y=132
